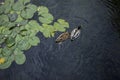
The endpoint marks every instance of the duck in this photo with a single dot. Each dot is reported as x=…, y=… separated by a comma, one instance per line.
x=75, y=33
x=62, y=37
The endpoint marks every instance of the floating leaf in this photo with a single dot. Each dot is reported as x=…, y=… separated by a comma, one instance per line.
x=15, y=31
x=3, y=18
x=24, y=32
x=18, y=38
x=19, y=19
x=24, y=22
x=34, y=41
x=2, y=39
x=10, y=41
x=48, y=30
x=4, y=31
x=5, y=65
x=34, y=26
x=10, y=24
x=18, y=6
x=0, y=50
x=6, y=51
x=29, y=11
x=61, y=25
x=1, y=9
x=32, y=7
x=23, y=44
x=7, y=5
x=46, y=18
x=58, y=27
x=19, y=56
x=12, y=17
x=26, y=1
x=42, y=10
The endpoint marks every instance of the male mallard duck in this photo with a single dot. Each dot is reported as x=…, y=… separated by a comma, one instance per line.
x=64, y=36
x=75, y=33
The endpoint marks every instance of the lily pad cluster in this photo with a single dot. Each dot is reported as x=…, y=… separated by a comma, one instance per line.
x=18, y=29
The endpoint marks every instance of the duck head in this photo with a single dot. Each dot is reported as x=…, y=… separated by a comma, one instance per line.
x=79, y=27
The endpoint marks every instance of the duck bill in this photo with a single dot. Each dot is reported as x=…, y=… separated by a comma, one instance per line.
x=57, y=41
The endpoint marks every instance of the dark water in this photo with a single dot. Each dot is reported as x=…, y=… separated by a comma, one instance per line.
x=95, y=55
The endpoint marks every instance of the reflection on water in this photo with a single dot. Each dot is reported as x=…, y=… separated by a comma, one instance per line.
x=114, y=10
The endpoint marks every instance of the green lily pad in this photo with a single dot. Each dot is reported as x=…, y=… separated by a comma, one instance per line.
x=18, y=6
x=5, y=31
x=61, y=25
x=42, y=10
x=18, y=38
x=34, y=41
x=29, y=11
x=24, y=44
x=15, y=31
x=5, y=65
x=1, y=9
x=12, y=17
x=33, y=26
x=7, y=5
x=10, y=41
x=48, y=30
x=3, y=18
x=6, y=51
x=10, y=24
x=19, y=56
x=26, y=1
x=58, y=27
x=46, y=18
x=19, y=19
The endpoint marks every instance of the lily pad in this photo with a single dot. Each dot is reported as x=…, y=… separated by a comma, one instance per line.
x=8, y=5
x=12, y=17
x=29, y=11
x=19, y=56
x=10, y=41
x=5, y=65
x=48, y=30
x=23, y=44
x=46, y=18
x=61, y=25
x=6, y=51
x=42, y=10
x=34, y=41
x=18, y=6
x=26, y=1
x=18, y=38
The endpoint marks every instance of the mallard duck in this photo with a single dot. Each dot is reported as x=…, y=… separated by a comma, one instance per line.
x=62, y=37
x=75, y=33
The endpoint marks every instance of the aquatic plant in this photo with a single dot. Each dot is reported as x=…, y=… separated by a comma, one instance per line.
x=18, y=29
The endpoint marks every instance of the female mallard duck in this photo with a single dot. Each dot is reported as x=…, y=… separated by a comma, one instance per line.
x=64, y=36
x=75, y=33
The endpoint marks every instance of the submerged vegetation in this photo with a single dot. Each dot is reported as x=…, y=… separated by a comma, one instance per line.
x=18, y=29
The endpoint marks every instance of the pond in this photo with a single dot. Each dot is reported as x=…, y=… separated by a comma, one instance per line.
x=95, y=55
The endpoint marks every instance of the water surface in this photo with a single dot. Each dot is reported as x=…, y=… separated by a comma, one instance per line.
x=95, y=55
